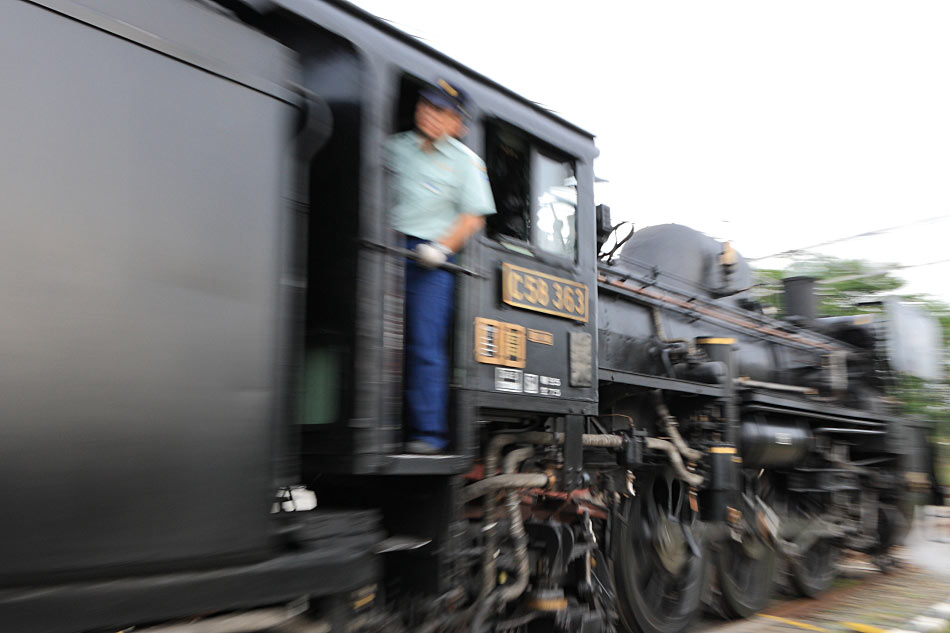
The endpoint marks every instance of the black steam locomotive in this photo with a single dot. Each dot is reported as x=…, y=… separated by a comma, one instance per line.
x=203, y=335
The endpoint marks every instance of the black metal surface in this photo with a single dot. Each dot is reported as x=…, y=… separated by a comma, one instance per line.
x=424, y=464
x=646, y=275
x=774, y=444
x=320, y=525
x=543, y=361
x=390, y=465
x=658, y=382
x=685, y=259
x=336, y=567
x=722, y=486
x=814, y=408
x=140, y=263
x=810, y=480
x=502, y=404
x=631, y=454
x=197, y=37
x=573, y=451
x=722, y=352
x=813, y=415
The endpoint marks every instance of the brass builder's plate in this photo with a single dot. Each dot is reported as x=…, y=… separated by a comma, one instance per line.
x=500, y=343
x=540, y=292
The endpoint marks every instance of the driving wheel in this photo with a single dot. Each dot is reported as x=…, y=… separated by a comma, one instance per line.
x=656, y=561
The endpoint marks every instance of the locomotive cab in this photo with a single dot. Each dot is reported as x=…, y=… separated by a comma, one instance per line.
x=523, y=335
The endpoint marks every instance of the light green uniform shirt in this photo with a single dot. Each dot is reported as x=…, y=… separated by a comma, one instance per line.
x=431, y=188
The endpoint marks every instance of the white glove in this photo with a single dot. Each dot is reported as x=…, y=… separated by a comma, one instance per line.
x=432, y=254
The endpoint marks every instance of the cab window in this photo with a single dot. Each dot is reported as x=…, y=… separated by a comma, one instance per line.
x=535, y=193
x=554, y=206
x=405, y=114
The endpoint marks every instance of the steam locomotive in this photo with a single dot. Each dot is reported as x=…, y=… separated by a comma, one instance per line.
x=202, y=358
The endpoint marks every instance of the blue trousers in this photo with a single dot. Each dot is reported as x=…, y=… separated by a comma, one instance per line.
x=430, y=302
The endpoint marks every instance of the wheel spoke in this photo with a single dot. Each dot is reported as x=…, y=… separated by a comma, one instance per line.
x=744, y=580
x=746, y=574
x=654, y=591
x=650, y=506
x=680, y=493
x=648, y=575
x=816, y=570
x=644, y=529
x=643, y=547
x=669, y=495
x=670, y=583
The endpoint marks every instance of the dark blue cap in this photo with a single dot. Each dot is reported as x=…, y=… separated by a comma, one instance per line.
x=446, y=95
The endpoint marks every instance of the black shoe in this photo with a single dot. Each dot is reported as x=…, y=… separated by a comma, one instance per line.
x=421, y=447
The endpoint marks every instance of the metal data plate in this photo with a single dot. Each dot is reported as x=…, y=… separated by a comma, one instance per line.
x=500, y=343
x=540, y=292
x=913, y=340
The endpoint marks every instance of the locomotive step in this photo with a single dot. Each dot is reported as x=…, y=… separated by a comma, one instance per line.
x=411, y=464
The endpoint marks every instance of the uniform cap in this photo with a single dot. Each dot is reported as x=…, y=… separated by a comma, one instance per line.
x=446, y=95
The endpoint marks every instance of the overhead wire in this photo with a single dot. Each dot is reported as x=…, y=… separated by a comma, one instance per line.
x=795, y=251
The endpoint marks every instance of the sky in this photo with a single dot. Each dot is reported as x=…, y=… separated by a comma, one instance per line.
x=775, y=125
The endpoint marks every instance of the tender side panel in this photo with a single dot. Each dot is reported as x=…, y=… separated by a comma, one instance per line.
x=139, y=267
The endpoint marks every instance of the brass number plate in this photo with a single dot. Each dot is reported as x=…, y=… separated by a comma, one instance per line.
x=533, y=290
x=499, y=343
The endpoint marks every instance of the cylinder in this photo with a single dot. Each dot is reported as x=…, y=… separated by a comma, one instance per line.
x=770, y=444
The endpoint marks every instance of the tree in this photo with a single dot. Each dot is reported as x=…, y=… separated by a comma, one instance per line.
x=843, y=286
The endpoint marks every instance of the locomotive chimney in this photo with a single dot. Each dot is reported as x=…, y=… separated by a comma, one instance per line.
x=800, y=299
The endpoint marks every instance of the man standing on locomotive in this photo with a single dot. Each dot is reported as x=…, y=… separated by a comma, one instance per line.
x=441, y=195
